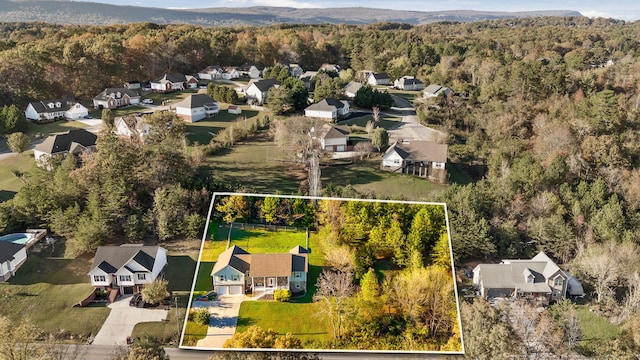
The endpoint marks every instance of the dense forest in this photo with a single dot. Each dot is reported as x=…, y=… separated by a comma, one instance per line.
x=548, y=127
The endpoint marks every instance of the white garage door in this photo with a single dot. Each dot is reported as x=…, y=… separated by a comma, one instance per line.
x=222, y=290
x=235, y=290
x=340, y=148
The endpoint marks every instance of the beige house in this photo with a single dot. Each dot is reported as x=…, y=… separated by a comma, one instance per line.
x=238, y=271
x=75, y=142
x=330, y=138
x=421, y=158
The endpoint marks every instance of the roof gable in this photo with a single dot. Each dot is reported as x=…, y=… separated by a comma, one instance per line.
x=420, y=151
x=112, y=258
x=62, y=142
x=196, y=101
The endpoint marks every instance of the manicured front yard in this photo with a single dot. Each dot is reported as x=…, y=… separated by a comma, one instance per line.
x=11, y=167
x=596, y=330
x=204, y=130
x=300, y=319
x=44, y=291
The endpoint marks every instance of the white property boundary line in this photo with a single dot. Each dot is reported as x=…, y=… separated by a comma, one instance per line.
x=319, y=351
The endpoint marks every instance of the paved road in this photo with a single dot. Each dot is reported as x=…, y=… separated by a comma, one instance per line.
x=224, y=318
x=122, y=319
x=410, y=128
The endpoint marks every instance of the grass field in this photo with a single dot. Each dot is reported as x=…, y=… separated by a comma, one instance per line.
x=45, y=289
x=54, y=127
x=202, y=131
x=596, y=330
x=367, y=177
x=10, y=166
x=386, y=122
x=257, y=166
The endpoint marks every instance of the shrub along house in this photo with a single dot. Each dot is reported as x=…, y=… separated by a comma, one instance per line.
x=237, y=271
x=127, y=268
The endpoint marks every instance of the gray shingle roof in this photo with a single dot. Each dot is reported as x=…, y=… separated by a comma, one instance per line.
x=326, y=105
x=327, y=131
x=116, y=93
x=352, y=87
x=273, y=264
x=266, y=84
x=379, y=76
x=63, y=142
x=8, y=250
x=196, y=101
x=49, y=106
x=420, y=151
x=111, y=258
x=172, y=78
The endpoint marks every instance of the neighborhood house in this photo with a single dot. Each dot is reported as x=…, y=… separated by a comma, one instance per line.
x=434, y=90
x=111, y=98
x=330, y=109
x=197, y=107
x=408, y=83
x=76, y=142
x=538, y=279
x=257, y=91
x=379, y=79
x=131, y=126
x=330, y=138
x=422, y=158
x=12, y=256
x=169, y=82
x=237, y=271
x=127, y=268
x=51, y=110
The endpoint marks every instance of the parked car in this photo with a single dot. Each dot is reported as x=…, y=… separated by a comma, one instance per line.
x=135, y=300
x=147, y=101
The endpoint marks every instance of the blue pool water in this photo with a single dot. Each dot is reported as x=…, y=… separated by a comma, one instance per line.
x=18, y=238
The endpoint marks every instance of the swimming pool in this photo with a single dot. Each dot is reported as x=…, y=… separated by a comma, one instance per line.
x=18, y=238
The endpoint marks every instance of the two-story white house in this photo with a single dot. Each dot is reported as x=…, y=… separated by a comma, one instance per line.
x=169, y=82
x=197, y=107
x=127, y=267
x=12, y=256
x=257, y=91
x=238, y=271
x=330, y=109
x=330, y=138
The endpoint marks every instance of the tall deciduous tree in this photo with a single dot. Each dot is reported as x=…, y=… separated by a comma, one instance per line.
x=18, y=142
x=380, y=138
x=333, y=290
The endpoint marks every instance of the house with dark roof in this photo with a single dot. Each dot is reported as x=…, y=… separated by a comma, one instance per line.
x=169, y=82
x=250, y=70
x=238, y=271
x=76, y=142
x=131, y=126
x=330, y=109
x=421, y=158
x=538, y=279
x=197, y=107
x=257, y=91
x=127, y=268
x=408, y=83
x=379, y=79
x=50, y=110
x=211, y=72
x=330, y=138
x=12, y=256
x=111, y=98
x=434, y=90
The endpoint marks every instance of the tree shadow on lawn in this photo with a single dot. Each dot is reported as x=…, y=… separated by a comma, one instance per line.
x=41, y=268
x=246, y=321
x=314, y=272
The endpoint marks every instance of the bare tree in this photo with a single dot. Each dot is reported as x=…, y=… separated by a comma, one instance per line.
x=314, y=174
x=364, y=149
x=370, y=126
x=333, y=291
x=376, y=114
x=340, y=258
x=599, y=264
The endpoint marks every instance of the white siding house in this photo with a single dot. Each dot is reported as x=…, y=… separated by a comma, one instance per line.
x=127, y=267
x=51, y=110
x=197, y=107
x=12, y=256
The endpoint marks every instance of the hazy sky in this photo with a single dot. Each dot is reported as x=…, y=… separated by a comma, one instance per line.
x=618, y=9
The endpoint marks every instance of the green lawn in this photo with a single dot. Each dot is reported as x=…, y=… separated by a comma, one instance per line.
x=406, y=94
x=596, y=330
x=44, y=130
x=285, y=318
x=263, y=241
x=367, y=177
x=45, y=289
x=204, y=130
x=10, y=166
x=257, y=166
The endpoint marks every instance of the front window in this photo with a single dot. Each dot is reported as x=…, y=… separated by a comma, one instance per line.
x=99, y=278
x=558, y=281
x=234, y=277
x=221, y=277
x=297, y=274
x=125, y=278
x=142, y=276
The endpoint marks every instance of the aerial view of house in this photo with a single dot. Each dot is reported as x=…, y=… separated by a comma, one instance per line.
x=12, y=256
x=127, y=268
x=330, y=109
x=330, y=138
x=538, y=279
x=111, y=98
x=258, y=90
x=75, y=142
x=237, y=271
x=169, y=82
x=421, y=158
x=196, y=107
x=408, y=83
x=131, y=125
x=51, y=110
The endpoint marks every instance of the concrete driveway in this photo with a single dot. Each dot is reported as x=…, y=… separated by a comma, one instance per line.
x=122, y=319
x=224, y=318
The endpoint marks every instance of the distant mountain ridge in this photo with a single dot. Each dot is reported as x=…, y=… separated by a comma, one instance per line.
x=87, y=13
